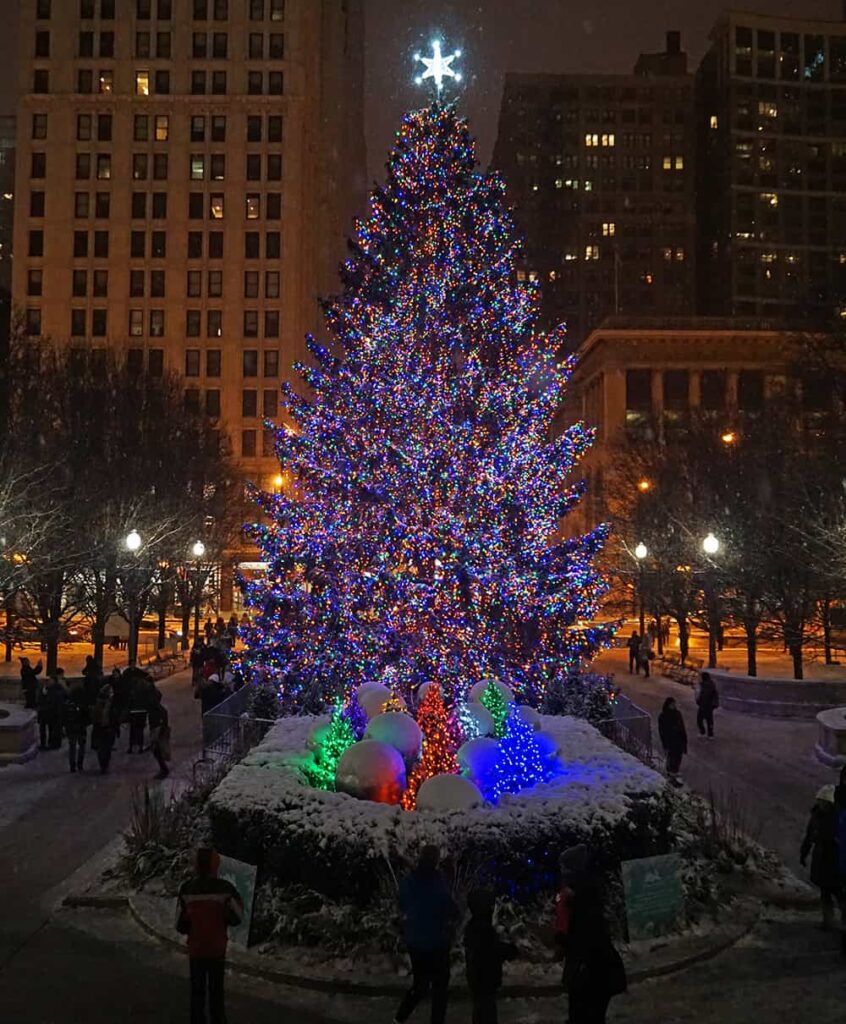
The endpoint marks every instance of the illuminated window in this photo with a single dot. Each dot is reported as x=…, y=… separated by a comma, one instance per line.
x=609, y=229
x=714, y=121
x=570, y=256
x=679, y=163
x=253, y=206
x=667, y=253
x=142, y=82
x=770, y=198
x=216, y=207
x=591, y=252
x=680, y=255
x=106, y=83
x=667, y=163
x=162, y=127
x=559, y=183
x=766, y=108
x=608, y=140
x=533, y=275
x=591, y=139
x=198, y=166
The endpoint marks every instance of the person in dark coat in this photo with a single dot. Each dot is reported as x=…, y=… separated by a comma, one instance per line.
x=633, y=645
x=75, y=718
x=139, y=702
x=484, y=954
x=821, y=843
x=102, y=726
x=92, y=673
x=593, y=969
x=707, y=700
x=429, y=913
x=673, y=738
x=159, y=721
x=196, y=660
x=29, y=682
x=51, y=699
x=211, y=693
x=644, y=654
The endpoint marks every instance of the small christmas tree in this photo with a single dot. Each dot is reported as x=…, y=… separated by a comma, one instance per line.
x=494, y=701
x=393, y=704
x=439, y=745
x=355, y=714
x=321, y=774
x=521, y=762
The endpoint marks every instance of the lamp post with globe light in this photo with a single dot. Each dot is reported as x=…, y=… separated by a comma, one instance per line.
x=711, y=546
x=132, y=543
x=640, y=552
x=198, y=549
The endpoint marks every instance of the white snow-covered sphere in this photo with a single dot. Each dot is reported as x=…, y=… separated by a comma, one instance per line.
x=373, y=697
x=548, y=744
x=448, y=793
x=422, y=690
x=529, y=715
x=481, y=720
x=317, y=736
x=477, y=690
x=477, y=757
x=371, y=770
x=398, y=730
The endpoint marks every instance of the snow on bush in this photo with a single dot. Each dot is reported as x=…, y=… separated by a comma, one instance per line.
x=265, y=812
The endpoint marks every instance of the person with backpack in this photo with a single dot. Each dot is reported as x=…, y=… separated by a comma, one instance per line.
x=707, y=701
x=593, y=969
x=484, y=954
x=820, y=842
x=75, y=718
x=673, y=738
x=429, y=914
x=633, y=646
x=207, y=906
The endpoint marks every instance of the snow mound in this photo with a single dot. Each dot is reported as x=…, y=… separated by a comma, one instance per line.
x=370, y=770
x=398, y=730
x=448, y=793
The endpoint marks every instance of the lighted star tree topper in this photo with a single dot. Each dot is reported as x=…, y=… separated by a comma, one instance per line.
x=423, y=531
x=438, y=67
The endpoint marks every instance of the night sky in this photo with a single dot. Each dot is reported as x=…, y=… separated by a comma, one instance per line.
x=496, y=36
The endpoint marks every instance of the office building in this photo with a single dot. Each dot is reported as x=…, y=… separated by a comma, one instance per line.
x=186, y=175
x=599, y=169
x=771, y=114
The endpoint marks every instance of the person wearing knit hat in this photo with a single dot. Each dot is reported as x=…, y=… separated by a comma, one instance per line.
x=821, y=843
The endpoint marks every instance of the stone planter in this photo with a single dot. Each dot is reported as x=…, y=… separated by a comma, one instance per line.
x=18, y=740
x=831, y=742
x=777, y=698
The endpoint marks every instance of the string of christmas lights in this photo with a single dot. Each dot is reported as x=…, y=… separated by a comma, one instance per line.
x=440, y=743
x=421, y=529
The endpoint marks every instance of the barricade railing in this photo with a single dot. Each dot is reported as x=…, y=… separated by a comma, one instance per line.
x=630, y=728
x=230, y=730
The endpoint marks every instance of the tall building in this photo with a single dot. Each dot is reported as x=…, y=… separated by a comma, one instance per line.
x=771, y=118
x=600, y=172
x=7, y=200
x=187, y=171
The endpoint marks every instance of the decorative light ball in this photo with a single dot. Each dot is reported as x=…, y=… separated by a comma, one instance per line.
x=476, y=758
x=370, y=770
x=477, y=690
x=398, y=730
x=448, y=793
x=373, y=697
x=317, y=736
x=482, y=719
x=529, y=715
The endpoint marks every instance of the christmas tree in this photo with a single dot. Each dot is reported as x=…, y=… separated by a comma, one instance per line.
x=440, y=742
x=493, y=700
x=321, y=773
x=422, y=530
x=356, y=716
x=521, y=762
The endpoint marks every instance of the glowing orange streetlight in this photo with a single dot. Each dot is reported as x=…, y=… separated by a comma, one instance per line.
x=728, y=437
x=643, y=485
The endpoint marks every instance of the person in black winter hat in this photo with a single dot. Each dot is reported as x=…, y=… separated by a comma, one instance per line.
x=484, y=955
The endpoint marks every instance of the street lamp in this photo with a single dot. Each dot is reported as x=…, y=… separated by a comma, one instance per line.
x=711, y=545
x=132, y=543
x=728, y=437
x=641, y=551
x=643, y=485
x=198, y=549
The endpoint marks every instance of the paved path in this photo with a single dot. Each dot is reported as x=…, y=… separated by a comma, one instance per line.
x=765, y=767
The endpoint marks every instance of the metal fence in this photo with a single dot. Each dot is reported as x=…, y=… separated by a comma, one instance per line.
x=230, y=730
x=630, y=728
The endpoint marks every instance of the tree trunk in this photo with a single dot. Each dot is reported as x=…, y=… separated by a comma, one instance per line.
x=684, y=644
x=796, y=655
x=186, y=625
x=751, y=649
x=10, y=625
x=104, y=604
x=826, y=623
x=162, y=630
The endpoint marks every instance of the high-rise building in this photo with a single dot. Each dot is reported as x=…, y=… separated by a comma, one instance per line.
x=771, y=116
x=187, y=171
x=7, y=200
x=600, y=172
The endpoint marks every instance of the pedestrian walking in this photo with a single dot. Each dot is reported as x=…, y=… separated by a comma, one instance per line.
x=707, y=701
x=51, y=699
x=102, y=726
x=429, y=914
x=633, y=645
x=593, y=969
x=665, y=630
x=139, y=702
x=673, y=738
x=196, y=660
x=92, y=673
x=159, y=721
x=29, y=682
x=484, y=954
x=821, y=843
x=644, y=654
x=75, y=718
x=206, y=907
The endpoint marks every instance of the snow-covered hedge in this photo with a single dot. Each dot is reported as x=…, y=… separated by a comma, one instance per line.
x=265, y=812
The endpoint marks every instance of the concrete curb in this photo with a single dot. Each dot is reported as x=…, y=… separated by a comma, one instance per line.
x=249, y=964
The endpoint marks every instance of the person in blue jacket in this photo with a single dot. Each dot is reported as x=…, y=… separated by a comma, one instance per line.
x=429, y=915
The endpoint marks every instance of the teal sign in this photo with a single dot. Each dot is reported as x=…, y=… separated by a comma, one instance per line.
x=243, y=877
x=654, y=897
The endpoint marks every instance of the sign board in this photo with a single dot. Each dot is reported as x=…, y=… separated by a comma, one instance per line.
x=654, y=898
x=243, y=877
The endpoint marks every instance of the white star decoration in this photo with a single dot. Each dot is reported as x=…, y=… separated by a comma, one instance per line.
x=438, y=67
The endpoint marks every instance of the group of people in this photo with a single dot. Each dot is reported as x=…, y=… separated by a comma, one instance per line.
x=212, y=674
x=67, y=709
x=671, y=728
x=222, y=632
x=640, y=652
x=593, y=969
